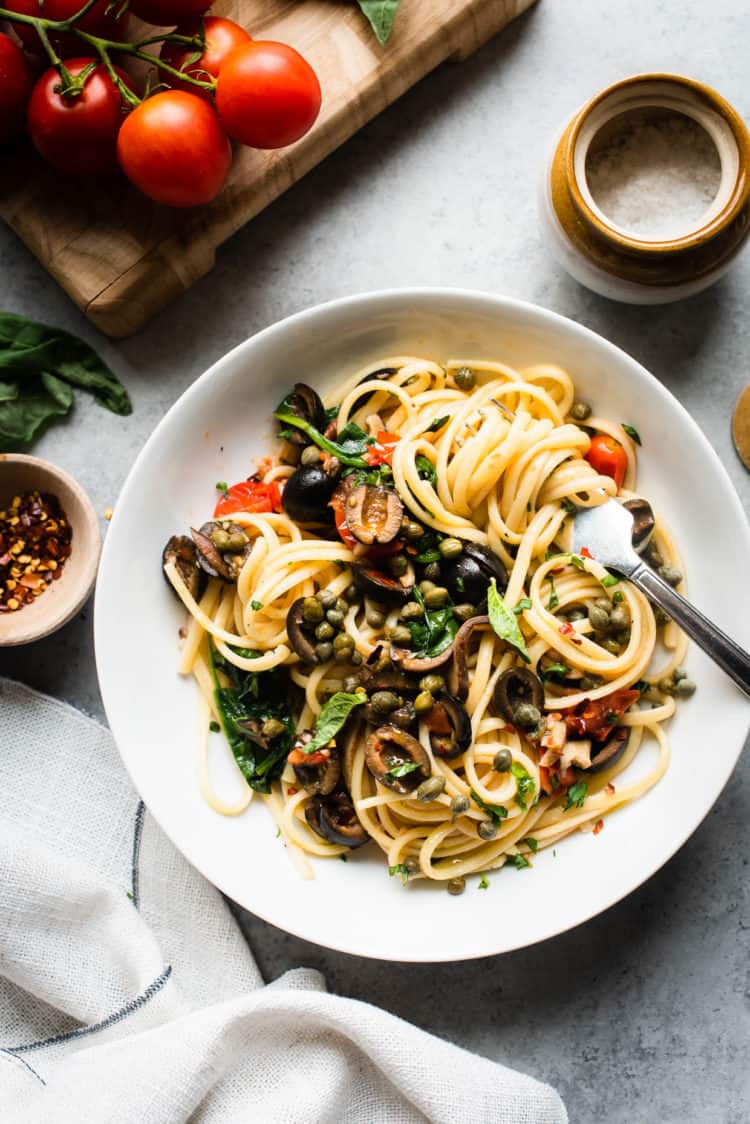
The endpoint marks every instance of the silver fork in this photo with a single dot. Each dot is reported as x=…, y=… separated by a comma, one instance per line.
x=606, y=532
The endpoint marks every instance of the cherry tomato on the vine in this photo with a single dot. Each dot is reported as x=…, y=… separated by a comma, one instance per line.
x=172, y=147
x=221, y=37
x=168, y=13
x=267, y=95
x=77, y=134
x=16, y=84
x=608, y=457
x=99, y=21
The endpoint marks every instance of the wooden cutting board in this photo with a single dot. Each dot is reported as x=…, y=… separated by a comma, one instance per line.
x=122, y=258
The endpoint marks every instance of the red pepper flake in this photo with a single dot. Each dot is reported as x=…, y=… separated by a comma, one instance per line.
x=292, y=791
x=35, y=543
x=566, y=629
x=598, y=826
x=586, y=553
x=610, y=789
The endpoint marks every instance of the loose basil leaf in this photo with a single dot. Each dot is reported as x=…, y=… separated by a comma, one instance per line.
x=575, y=795
x=381, y=14
x=331, y=718
x=504, y=622
x=524, y=785
x=497, y=812
x=632, y=432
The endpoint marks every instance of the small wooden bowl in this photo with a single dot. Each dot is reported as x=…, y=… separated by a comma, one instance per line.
x=64, y=597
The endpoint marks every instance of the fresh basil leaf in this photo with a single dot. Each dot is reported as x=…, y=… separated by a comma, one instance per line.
x=381, y=14
x=632, y=432
x=504, y=622
x=426, y=469
x=399, y=868
x=434, y=631
x=403, y=769
x=575, y=795
x=496, y=812
x=331, y=718
x=524, y=785
x=437, y=423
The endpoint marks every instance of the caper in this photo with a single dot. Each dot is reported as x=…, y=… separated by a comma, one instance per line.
x=430, y=789
x=271, y=728
x=502, y=761
x=385, y=701
x=685, y=687
x=334, y=617
x=400, y=635
x=527, y=715
x=310, y=455
x=324, y=651
x=413, y=530
x=327, y=598
x=610, y=645
x=599, y=619
x=661, y=617
x=679, y=673
x=325, y=631
x=356, y=658
x=619, y=617
x=398, y=565
x=487, y=829
x=652, y=554
x=451, y=548
x=425, y=587
x=411, y=864
x=231, y=541
x=352, y=594
x=423, y=702
x=350, y=684
x=465, y=378
x=666, y=686
x=603, y=603
x=589, y=682
x=432, y=572
x=456, y=886
x=343, y=646
x=436, y=597
x=412, y=611
x=375, y=618
x=579, y=411
x=459, y=805
x=464, y=612
x=671, y=575
x=341, y=605
x=312, y=610
x=432, y=683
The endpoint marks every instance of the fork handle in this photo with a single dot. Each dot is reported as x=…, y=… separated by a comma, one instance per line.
x=715, y=643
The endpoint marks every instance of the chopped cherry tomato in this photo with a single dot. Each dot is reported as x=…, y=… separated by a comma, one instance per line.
x=382, y=452
x=608, y=457
x=385, y=549
x=299, y=757
x=252, y=496
x=598, y=717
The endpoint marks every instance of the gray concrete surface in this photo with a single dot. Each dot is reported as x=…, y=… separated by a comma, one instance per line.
x=639, y=1015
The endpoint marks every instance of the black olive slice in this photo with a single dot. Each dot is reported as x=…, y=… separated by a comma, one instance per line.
x=221, y=552
x=396, y=759
x=305, y=403
x=643, y=522
x=515, y=686
x=182, y=551
x=302, y=643
x=461, y=653
x=320, y=779
x=373, y=513
x=449, y=726
x=611, y=751
x=382, y=586
x=334, y=818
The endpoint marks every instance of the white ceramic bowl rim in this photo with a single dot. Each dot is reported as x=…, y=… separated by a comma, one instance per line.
x=382, y=936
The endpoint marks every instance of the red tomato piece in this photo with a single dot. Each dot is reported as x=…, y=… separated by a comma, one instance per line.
x=597, y=718
x=221, y=37
x=16, y=84
x=608, y=457
x=267, y=95
x=173, y=148
x=382, y=452
x=252, y=496
x=77, y=134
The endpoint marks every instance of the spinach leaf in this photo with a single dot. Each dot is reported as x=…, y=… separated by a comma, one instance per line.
x=504, y=621
x=434, y=631
x=381, y=14
x=331, y=718
x=243, y=706
x=350, y=446
x=428, y=548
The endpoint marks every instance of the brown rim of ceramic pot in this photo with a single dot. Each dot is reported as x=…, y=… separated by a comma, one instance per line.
x=725, y=224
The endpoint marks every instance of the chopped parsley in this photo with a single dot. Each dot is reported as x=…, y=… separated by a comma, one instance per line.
x=426, y=469
x=617, y=597
x=437, y=424
x=222, y=486
x=403, y=768
x=554, y=600
x=575, y=795
x=609, y=580
x=569, y=506
x=632, y=432
x=524, y=603
x=554, y=671
x=577, y=562
x=399, y=868
x=256, y=606
x=483, y=883
x=524, y=785
x=496, y=812
x=532, y=844
x=214, y=727
x=520, y=862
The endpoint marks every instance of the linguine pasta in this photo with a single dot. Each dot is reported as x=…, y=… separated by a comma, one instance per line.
x=487, y=455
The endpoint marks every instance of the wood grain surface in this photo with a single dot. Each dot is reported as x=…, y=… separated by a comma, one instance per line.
x=121, y=258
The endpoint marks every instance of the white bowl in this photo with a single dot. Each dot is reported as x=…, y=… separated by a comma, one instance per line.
x=211, y=434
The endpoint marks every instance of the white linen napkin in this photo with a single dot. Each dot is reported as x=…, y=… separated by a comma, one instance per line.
x=128, y=994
